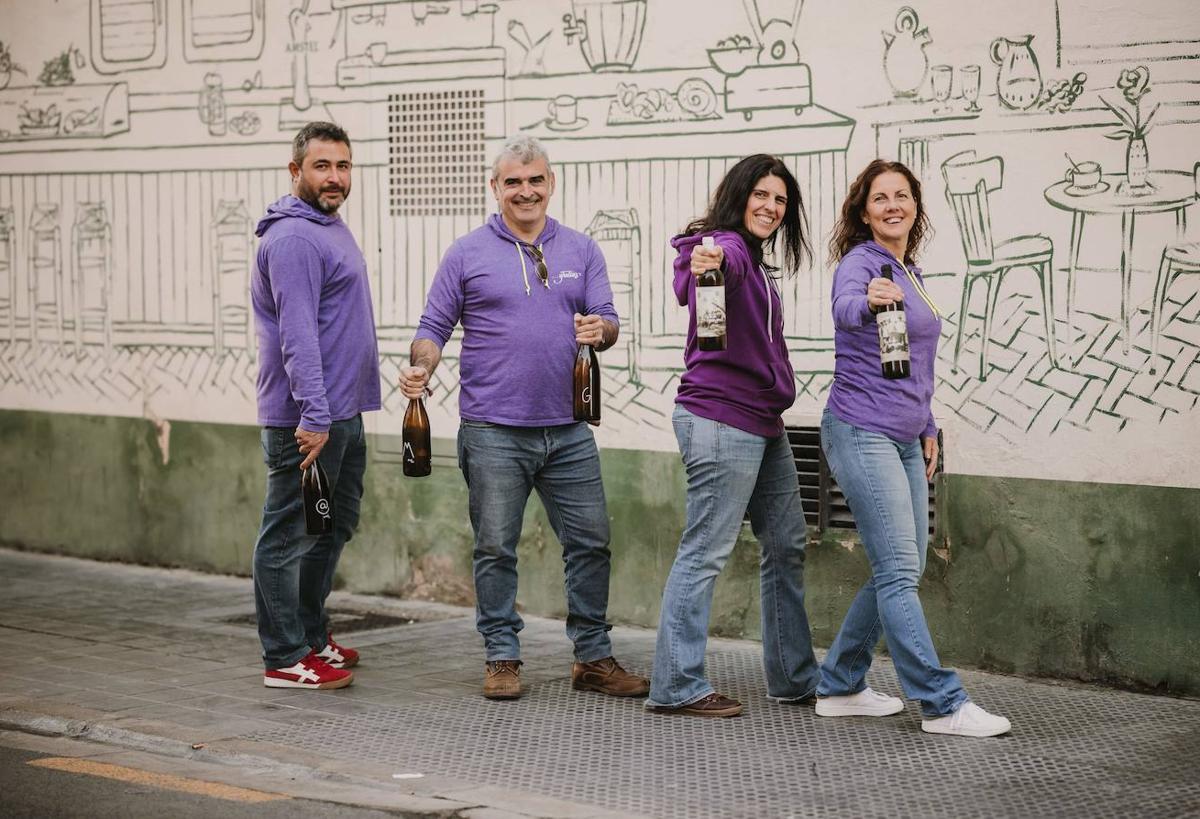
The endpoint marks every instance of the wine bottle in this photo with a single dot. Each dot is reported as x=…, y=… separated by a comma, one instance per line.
x=318, y=509
x=710, y=306
x=893, y=335
x=417, y=460
x=586, y=392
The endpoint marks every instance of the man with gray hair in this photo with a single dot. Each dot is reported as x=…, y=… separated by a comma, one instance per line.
x=527, y=290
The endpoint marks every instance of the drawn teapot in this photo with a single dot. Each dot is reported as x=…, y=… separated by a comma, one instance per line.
x=1019, y=81
x=904, y=60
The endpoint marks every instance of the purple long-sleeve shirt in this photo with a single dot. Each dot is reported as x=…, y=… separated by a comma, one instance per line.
x=897, y=408
x=318, y=357
x=750, y=384
x=518, y=346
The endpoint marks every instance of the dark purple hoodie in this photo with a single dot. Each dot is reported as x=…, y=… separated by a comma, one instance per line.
x=317, y=354
x=750, y=384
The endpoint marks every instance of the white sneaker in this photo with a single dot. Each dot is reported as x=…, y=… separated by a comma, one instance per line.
x=865, y=703
x=968, y=721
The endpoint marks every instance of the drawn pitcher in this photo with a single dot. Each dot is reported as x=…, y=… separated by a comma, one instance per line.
x=1019, y=81
x=904, y=60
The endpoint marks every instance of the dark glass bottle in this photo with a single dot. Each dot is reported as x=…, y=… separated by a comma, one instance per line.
x=586, y=392
x=893, y=335
x=417, y=454
x=710, y=307
x=318, y=500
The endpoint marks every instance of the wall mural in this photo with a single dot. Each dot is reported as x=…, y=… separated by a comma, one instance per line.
x=140, y=141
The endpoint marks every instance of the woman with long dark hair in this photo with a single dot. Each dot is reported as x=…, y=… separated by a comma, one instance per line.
x=880, y=441
x=728, y=421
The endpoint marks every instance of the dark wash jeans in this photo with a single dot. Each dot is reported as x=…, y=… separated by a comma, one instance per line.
x=293, y=571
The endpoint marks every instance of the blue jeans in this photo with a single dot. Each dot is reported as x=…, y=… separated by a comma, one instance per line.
x=502, y=465
x=729, y=472
x=884, y=482
x=293, y=570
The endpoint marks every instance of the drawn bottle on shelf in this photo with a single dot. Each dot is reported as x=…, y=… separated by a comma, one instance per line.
x=710, y=306
x=893, y=335
x=212, y=104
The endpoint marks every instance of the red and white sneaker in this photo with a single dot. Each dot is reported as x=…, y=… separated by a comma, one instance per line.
x=310, y=672
x=337, y=656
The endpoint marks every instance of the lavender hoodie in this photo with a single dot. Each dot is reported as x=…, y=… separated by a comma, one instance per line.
x=750, y=384
x=899, y=409
x=518, y=347
x=317, y=354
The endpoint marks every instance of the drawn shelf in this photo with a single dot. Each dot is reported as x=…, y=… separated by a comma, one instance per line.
x=68, y=111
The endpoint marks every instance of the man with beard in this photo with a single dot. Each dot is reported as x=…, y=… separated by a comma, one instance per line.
x=318, y=372
x=527, y=291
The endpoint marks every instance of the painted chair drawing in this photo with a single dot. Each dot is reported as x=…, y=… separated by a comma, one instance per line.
x=969, y=181
x=1178, y=258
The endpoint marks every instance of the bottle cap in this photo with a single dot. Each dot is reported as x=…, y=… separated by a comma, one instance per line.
x=708, y=242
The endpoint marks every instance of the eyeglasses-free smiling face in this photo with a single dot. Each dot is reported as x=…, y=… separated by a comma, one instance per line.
x=766, y=206
x=891, y=210
x=523, y=191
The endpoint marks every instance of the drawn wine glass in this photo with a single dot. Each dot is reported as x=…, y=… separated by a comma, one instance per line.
x=942, y=79
x=968, y=83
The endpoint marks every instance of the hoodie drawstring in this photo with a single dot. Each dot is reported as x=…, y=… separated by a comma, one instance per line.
x=920, y=290
x=770, y=290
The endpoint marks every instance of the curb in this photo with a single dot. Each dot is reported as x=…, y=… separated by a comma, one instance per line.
x=98, y=732
x=50, y=726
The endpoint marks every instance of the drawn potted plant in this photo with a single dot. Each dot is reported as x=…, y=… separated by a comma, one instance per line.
x=57, y=70
x=7, y=66
x=1134, y=84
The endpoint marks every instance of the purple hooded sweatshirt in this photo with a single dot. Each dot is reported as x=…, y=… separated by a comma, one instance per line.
x=750, y=384
x=318, y=358
x=900, y=408
x=518, y=347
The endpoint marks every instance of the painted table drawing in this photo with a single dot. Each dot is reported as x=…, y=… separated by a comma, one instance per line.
x=1170, y=192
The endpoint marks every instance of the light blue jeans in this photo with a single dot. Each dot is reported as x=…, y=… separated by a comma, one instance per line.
x=729, y=472
x=502, y=465
x=884, y=482
x=293, y=570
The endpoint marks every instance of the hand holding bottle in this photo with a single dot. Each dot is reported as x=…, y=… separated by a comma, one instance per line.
x=589, y=330
x=311, y=444
x=707, y=257
x=881, y=292
x=414, y=381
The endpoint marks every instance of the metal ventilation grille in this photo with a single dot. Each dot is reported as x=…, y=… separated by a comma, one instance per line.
x=825, y=506
x=436, y=160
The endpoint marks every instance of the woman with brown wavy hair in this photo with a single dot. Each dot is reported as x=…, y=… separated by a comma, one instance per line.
x=880, y=441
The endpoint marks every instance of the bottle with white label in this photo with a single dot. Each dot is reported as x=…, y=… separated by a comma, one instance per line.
x=710, y=306
x=893, y=335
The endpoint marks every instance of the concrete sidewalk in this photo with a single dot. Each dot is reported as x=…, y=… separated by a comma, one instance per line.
x=167, y=662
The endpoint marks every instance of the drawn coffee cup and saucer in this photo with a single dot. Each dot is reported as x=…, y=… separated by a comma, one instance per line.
x=1084, y=178
x=564, y=114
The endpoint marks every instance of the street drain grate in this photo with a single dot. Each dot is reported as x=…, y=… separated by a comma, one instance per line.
x=341, y=620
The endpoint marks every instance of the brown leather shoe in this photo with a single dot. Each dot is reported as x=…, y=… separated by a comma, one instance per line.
x=714, y=705
x=609, y=678
x=502, y=680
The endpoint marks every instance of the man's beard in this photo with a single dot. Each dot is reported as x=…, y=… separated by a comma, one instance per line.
x=313, y=197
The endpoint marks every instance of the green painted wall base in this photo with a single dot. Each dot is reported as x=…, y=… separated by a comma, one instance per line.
x=1098, y=582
